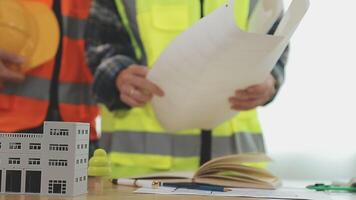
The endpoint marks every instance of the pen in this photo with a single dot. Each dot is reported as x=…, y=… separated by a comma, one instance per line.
x=136, y=183
x=197, y=186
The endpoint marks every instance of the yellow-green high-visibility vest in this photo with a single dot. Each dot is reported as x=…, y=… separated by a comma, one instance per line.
x=136, y=141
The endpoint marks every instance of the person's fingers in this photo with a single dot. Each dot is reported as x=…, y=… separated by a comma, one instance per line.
x=254, y=90
x=146, y=86
x=139, y=70
x=126, y=76
x=234, y=100
x=141, y=96
x=8, y=75
x=247, y=96
x=130, y=101
x=242, y=105
x=134, y=88
x=11, y=58
x=257, y=89
x=241, y=95
x=239, y=107
x=136, y=94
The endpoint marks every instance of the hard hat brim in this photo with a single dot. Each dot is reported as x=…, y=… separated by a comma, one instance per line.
x=47, y=34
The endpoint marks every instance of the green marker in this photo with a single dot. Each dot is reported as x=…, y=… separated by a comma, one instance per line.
x=323, y=187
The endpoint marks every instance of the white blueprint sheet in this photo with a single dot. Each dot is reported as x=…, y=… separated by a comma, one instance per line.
x=282, y=193
x=203, y=67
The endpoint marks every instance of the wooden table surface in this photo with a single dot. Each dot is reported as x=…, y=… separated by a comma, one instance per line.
x=106, y=191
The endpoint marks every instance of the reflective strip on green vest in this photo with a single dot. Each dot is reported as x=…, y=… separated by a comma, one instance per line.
x=137, y=142
x=171, y=144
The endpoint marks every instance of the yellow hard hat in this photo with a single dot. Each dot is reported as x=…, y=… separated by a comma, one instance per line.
x=28, y=29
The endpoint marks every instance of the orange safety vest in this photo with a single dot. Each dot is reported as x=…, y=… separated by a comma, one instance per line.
x=25, y=105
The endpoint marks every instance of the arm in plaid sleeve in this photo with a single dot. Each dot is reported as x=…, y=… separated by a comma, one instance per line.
x=108, y=50
x=278, y=70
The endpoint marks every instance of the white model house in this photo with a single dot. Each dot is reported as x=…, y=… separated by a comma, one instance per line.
x=52, y=163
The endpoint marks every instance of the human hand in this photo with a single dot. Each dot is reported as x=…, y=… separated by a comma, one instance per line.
x=7, y=74
x=253, y=96
x=135, y=89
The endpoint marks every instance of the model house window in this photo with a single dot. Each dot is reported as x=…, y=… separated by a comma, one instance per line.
x=35, y=146
x=54, y=131
x=64, y=132
x=58, y=147
x=63, y=147
x=60, y=132
x=86, y=132
x=53, y=162
x=57, y=186
x=15, y=145
x=0, y=145
x=34, y=161
x=14, y=161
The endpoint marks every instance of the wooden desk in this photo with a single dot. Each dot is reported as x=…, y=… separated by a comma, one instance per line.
x=108, y=191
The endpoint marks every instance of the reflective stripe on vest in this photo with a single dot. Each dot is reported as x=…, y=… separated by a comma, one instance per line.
x=25, y=105
x=32, y=87
x=179, y=145
x=75, y=93
x=73, y=28
x=135, y=137
x=37, y=88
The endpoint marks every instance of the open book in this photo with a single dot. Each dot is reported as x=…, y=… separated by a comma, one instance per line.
x=228, y=171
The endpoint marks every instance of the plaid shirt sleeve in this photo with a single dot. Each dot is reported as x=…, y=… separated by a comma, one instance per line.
x=108, y=51
x=279, y=68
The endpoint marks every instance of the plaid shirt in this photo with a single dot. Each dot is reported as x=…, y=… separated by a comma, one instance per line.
x=109, y=51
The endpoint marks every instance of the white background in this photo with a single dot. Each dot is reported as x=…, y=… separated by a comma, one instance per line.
x=310, y=129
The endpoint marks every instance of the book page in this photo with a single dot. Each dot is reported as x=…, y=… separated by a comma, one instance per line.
x=230, y=171
x=238, y=171
x=234, y=160
x=206, y=64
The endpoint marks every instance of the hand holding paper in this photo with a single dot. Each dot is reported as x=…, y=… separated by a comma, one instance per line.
x=253, y=96
x=135, y=89
x=206, y=64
